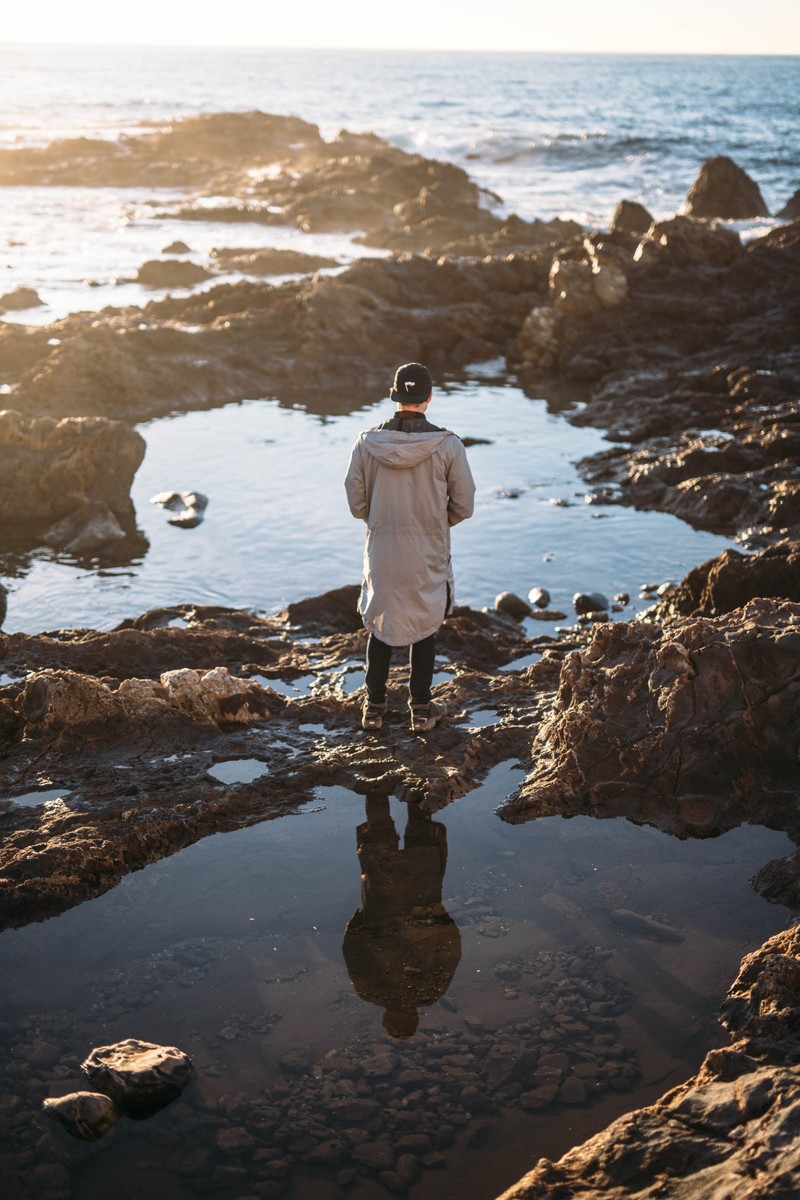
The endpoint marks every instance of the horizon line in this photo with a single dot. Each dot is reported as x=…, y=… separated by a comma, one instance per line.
x=400, y=49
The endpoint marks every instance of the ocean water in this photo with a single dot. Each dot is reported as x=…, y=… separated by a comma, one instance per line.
x=551, y=135
x=554, y=134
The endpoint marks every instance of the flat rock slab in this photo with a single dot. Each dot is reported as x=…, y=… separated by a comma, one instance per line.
x=141, y=1077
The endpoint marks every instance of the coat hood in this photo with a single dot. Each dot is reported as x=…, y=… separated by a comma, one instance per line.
x=399, y=450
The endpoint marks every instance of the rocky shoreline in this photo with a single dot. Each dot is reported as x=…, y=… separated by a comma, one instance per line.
x=674, y=336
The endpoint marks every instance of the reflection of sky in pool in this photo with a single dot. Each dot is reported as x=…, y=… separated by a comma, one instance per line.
x=277, y=527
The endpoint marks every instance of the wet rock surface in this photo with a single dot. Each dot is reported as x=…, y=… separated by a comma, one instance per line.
x=704, y=406
x=321, y=341
x=140, y=1077
x=731, y=580
x=86, y=1115
x=189, y=507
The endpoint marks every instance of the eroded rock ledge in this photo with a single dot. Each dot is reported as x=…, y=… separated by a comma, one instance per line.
x=692, y=726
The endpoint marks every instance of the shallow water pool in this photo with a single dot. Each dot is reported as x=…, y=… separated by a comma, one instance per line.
x=277, y=527
x=480, y=998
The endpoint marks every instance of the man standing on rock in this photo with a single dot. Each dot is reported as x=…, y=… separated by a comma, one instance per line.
x=409, y=481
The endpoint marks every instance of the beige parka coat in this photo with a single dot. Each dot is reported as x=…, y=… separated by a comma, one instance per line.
x=409, y=488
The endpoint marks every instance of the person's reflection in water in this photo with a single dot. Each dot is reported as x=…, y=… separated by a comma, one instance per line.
x=401, y=947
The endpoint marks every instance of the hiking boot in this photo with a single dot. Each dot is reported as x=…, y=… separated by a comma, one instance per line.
x=372, y=714
x=426, y=716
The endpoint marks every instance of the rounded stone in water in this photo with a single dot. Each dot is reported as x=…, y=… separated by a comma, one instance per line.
x=539, y=596
x=512, y=604
x=140, y=1077
x=86, y=1115
x=589, y=602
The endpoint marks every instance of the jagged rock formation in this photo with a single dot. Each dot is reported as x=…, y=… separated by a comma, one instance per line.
x=692, y=726
x=695, y=374
x=731, y=580
x=329, y=343
x=280, y=171
x=723, y=189
x=791, y=209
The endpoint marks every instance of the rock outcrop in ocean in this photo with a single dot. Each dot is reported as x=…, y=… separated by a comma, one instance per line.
x=723, y=189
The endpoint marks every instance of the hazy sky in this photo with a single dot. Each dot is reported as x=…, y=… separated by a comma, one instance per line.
x=672, y=26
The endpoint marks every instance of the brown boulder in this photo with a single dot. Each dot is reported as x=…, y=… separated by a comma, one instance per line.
x=140, y=1077
x=65, y=702
x=19, y=299
x=271, y=261
x=86, y=1115
x=687, y=241
x=723, y=189
x=631, y=218
x=51, y=467
x=92, y=527
x=332, y=612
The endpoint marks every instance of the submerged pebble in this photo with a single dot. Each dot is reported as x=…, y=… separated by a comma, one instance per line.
x=86, y=1115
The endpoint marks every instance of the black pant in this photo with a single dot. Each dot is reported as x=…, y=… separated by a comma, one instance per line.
x=379, y=656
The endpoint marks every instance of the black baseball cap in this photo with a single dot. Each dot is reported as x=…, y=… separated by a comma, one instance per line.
x=412, y=384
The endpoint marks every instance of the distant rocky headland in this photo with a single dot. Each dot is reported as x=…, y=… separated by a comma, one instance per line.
x=675, y=336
